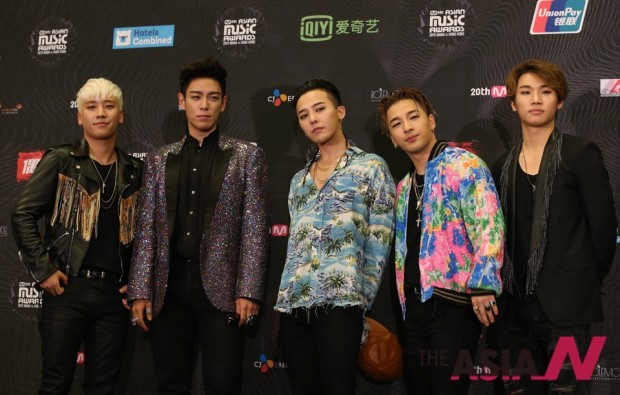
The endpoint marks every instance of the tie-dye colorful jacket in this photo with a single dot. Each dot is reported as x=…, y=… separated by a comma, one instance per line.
x=462, y=244
x=340, y=236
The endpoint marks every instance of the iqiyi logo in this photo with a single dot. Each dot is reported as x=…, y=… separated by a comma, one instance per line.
x=316, y=28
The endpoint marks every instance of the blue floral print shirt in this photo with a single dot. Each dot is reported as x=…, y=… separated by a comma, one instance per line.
x=340, y=236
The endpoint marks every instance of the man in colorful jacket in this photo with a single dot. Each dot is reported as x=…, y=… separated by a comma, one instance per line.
x=448, y=247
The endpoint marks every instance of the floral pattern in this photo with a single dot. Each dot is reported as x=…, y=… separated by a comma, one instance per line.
x=462, y=244
x=340, y=236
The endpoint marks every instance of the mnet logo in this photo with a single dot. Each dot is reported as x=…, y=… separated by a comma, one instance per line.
x=496, y=91
x=499, y=91
x=316, y=28
x=279, y=230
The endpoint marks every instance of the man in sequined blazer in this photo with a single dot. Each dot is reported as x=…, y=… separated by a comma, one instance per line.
x=201, y=245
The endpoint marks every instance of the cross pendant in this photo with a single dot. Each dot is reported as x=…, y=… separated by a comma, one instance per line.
x=417, y=221
x=103, y=188
x=534, y=190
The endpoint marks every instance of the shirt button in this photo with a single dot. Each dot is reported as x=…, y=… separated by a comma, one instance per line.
x=188, y=233
x=193, y=192
x=191, y=212
x=194, y=169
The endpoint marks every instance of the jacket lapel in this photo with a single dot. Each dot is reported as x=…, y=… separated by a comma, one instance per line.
x=173, y=168
x=218, y=172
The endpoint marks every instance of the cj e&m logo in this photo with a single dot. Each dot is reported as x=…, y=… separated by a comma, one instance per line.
x=26, y=163
x=143, y=37
x=264, y=364
x=279, y=230
x=496, y=91
x=278, y=97
x=558, y=16
x=314, y=28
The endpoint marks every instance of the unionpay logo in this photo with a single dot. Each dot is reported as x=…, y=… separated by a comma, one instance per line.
x=558, y=16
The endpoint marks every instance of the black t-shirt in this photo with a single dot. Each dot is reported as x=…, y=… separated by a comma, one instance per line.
x=103, y=249
x=412, y=260
x=524, y=210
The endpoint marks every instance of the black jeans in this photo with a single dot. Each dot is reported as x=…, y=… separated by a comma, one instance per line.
x=527, y=329
x=89, y=310
x=321, y=346
x=436, y=331
x=187, y=317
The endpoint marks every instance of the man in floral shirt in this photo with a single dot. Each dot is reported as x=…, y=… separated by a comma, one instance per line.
x=342, y=219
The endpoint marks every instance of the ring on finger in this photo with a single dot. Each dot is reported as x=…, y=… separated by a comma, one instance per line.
x=149, y=310
x=493, y=302
x=487, y=307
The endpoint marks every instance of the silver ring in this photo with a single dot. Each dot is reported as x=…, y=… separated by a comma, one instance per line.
x=149, y=310
x=134, y=321
x=251, y=319
x=476, y=309
x=493, y=303
x=487, y=307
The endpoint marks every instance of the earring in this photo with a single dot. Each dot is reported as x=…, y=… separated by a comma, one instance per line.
x=396, y=146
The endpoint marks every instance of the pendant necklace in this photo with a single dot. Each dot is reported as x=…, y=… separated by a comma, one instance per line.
x=418, y=195
x=106, y=203
x=527, y=175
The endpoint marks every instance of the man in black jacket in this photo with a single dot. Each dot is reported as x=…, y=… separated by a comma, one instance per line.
x=87, y=192
x=561, y=230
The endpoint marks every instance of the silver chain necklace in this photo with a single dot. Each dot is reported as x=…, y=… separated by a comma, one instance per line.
x=418, y=196
x=527, y=175
x=106, y=203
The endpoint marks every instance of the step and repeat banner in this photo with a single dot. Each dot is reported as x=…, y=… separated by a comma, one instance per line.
x=457, y=51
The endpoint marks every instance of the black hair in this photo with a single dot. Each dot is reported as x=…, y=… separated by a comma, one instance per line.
x=208, y=68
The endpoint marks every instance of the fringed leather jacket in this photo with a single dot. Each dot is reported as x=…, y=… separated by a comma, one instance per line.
x=65, y=189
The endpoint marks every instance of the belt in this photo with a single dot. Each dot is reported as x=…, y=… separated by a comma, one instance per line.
x=97, y=274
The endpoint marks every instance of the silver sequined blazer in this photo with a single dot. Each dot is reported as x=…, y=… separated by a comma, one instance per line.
x=233, y=250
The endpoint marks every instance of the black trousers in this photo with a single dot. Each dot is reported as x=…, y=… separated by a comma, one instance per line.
x=89, y=310
x=188, y=317
x=321, y=346
x=436, y=331
x=527, y=329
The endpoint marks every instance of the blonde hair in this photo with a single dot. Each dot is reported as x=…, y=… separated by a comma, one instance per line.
x=99, y=89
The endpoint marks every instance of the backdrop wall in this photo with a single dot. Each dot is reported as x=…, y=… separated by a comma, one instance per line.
x=457, y=51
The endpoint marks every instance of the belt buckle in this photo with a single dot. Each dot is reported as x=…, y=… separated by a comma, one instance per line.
x=94, y=274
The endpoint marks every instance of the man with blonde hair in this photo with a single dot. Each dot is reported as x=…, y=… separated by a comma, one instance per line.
x=87, y=192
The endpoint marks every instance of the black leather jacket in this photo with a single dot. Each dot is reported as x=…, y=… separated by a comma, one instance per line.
x=63, y=188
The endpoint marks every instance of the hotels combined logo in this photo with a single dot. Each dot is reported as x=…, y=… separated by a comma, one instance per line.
x=143, y=37
x=558, y=16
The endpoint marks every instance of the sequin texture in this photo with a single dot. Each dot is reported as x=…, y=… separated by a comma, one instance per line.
x=233, y=250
